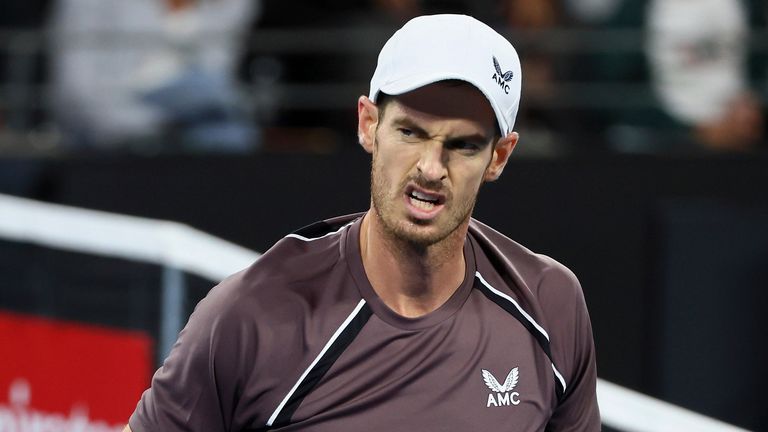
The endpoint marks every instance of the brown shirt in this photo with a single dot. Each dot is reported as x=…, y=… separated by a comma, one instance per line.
x=300, y=342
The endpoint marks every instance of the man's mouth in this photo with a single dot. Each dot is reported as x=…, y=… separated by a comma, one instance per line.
x=423, y=200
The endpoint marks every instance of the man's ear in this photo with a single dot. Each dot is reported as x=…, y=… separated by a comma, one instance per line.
x=367, y=120
x=501, y=152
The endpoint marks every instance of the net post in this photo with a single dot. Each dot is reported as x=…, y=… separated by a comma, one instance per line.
x=171, y=309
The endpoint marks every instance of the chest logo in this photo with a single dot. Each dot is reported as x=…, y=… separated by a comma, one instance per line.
x=502, y=393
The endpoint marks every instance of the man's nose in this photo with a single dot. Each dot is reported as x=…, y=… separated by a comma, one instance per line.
x=432, y=163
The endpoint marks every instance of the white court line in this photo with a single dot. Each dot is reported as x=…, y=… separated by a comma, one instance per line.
x=178, y=245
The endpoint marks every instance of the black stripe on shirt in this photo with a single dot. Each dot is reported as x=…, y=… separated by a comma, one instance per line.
x=315, y=230
x=323, y=365
x=540, y=337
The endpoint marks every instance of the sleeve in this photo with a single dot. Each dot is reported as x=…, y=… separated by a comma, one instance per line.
x=573, y=351
x=196, y=389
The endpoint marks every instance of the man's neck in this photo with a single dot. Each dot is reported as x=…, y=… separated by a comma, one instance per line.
x=412, y=280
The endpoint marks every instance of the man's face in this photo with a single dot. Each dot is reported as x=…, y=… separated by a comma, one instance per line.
x=432, y=149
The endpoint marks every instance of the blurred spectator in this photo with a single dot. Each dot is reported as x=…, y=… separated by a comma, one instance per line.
x=545, y=129
x=592, y=11
x=698, y=51
x=521, y=14
x=150, y=74
x=21, y=64
x=399, y=10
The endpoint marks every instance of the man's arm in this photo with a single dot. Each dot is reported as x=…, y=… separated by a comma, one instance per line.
x=196, y=389
x=573, y=349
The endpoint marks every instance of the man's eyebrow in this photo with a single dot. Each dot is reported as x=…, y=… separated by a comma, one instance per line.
x=409, y=124
x=477, y=138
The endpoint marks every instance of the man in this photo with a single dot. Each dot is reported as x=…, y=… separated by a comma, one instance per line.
x=126, y=85
x=412, y=316
x=700, y=73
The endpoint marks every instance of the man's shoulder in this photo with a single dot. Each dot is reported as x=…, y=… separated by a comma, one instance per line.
x=302, y=263
x=304, y=253
x=495, y=242
x=546, y=289
x=324, y=228
x=535, y=272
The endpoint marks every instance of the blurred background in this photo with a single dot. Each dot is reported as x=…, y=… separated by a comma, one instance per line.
x=642, y=165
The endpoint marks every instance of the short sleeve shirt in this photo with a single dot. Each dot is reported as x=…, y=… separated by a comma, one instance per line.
x=300, y=341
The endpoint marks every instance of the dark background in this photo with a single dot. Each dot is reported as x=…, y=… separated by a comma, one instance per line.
x=672, y=252
x=668, y=236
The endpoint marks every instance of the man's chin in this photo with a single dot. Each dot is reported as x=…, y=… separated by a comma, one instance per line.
x=417, y=232
x=422, y=234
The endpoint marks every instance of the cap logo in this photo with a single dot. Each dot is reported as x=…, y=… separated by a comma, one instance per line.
x=502, y=78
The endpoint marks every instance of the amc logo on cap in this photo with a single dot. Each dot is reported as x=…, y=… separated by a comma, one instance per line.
x=502, y=78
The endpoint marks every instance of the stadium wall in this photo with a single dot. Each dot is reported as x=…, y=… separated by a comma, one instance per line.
x=671, y=252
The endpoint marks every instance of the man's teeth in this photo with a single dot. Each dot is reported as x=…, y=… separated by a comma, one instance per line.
x=423, y=201
x=423, y=205
x=423, y=197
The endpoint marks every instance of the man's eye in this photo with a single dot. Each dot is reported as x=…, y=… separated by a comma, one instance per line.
x=405, y=132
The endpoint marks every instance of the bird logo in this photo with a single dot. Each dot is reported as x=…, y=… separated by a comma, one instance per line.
x=508, y=385
x=501, y=76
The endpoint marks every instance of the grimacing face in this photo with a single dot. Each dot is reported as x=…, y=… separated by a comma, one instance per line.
x=431, y=149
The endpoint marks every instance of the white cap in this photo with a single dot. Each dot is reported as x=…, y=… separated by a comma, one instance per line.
x=433, y=48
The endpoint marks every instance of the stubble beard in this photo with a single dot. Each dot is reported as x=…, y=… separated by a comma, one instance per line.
x=409, y=233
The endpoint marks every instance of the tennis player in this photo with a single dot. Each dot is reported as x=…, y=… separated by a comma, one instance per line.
x=412, y=316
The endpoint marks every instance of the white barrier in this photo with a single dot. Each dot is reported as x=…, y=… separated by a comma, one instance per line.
x=176, y=245
x=631, y=411
x=108, y=234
